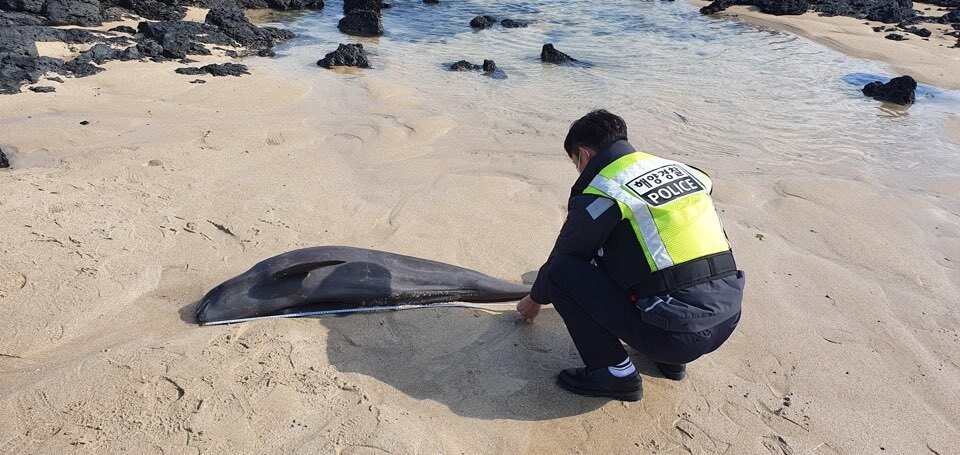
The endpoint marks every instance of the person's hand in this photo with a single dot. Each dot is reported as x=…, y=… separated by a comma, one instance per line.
x=528, y=309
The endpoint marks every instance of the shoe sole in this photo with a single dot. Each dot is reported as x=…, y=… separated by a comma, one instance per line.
x=622, y=396
x=674, y=376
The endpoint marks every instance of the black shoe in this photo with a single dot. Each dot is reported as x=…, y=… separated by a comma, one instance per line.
x=600, y=383
x=671, y=371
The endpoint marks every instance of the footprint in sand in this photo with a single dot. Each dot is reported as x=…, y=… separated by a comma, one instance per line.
x=275, y=140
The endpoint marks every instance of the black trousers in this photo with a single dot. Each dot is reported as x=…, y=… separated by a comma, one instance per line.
x=599, y=314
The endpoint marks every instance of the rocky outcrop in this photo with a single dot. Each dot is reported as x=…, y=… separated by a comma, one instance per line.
x=287, y=5
x=463, y=65
x=346, y=55
x=921, y=32
x=216, y=69
x=368, y=5
x=953, y=17
x=23, y=6
x=887, y=11
x=361, y=23
x=783, y=7
x=4, y=162
x=17, y=19
x=510, y=23
x=24, y=22
x=900, y=90
x=489, y=68
x=482, y=22
x=155, y=10
x=124, y=29
x=42, y=89
x=896, y=37
x=73, y=12
x=549, y=54
x=177, y=39
x=229, y=18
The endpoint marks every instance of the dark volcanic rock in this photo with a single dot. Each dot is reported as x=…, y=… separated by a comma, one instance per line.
x=17, y=19
x=225, y=69
x=550, y=55
x=190, y=71
x=179, y=38
x=25, y=6
x=286, y=5
x=16, y=70
x=13, y=42
x=482, y=22
x=921, y=32
x=42, y=89
x=124, y=29
x=949, y=3
x=155, y=10
x=73, y=12
x=720, y=5
x=464, y=65
x=895, y=37
x=783, y=7
x=510, y=23
x=198, y=81
x=230, y=19
x=98, y=54
x=887, y=11
x=4, y=162
x=900, y=90
x=953, y=17
x=354, y=5
x=346, y=55
x=361, y=23
x=80, y=68
x=150, y=48
x=489, y=68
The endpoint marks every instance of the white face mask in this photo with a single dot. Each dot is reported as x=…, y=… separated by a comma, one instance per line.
x=579, y=152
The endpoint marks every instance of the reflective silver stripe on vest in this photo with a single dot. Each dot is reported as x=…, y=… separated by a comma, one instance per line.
x=641, y=213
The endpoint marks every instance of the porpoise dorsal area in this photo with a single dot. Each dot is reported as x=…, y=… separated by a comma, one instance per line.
x=335, y=277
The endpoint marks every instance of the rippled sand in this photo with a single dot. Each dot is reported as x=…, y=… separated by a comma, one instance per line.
x=844, y=213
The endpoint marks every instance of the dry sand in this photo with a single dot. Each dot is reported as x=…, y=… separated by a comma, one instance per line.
x=932, y=61
x=112, y=231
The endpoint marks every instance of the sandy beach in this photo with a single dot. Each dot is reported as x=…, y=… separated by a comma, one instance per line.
x=114, y=228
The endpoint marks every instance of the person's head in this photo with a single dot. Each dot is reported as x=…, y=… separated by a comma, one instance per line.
x=592, y=133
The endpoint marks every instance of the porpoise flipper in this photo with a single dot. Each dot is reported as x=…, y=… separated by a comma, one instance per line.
x=346, y=277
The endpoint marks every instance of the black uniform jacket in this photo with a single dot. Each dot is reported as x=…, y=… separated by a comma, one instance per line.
x=595, y=222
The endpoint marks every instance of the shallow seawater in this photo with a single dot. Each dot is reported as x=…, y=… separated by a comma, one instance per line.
x=686, y=83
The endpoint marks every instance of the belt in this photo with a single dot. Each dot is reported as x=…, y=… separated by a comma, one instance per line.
x=687, y=274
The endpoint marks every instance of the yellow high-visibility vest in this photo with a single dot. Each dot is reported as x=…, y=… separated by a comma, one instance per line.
x=667, y=203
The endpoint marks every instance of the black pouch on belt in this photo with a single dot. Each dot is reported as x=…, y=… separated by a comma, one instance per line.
x=695, y=308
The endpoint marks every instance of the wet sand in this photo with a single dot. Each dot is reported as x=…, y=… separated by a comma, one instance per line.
x=112, y=231
x=932, y=61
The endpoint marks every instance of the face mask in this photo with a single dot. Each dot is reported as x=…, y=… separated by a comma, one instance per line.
x=579, y=152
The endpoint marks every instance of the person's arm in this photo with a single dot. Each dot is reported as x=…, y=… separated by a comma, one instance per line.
x=590, y=220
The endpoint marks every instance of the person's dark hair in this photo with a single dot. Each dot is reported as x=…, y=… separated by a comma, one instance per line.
x=597, y=130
